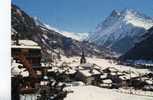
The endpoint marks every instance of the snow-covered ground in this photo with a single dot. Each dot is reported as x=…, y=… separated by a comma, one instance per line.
x=103, y=63
x=88, y=92
x=96, y=93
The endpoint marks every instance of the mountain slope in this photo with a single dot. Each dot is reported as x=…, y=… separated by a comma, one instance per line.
x=50, y=40
x=142, y=50
x=73, y=35
x=121, y=30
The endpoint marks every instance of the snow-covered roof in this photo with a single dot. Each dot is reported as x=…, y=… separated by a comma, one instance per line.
x=125, y=77
x=85, y=73
x=149, y=81
x=44, y=83
x=53, y=69
x=39, y=72
x=112, y=69
x=24, y=73
x=133, y=75
x=116, y=73
x=71, y=71
x=94, y=71
x=119, y=73
x=15, y=70
x=103, y=76
x=88, y=73
x=26, y=44
x=78, y=83
x=46, y=64
x=14, y=64
x=75, y=83
x=113, y=73
x=86, y=65
x=28, y=47
x=107, y=81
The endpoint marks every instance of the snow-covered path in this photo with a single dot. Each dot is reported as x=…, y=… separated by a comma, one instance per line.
x=96, y=93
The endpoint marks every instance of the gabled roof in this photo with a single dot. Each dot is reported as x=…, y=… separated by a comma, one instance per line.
x=29, y=44
x=87, y=72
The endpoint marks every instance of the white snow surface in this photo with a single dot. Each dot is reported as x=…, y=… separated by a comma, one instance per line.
x=16, y=71
x=74, y=35
x=132, y=17
x=96, y=93
x=28, y=43
x=25, y=44
x=126, y=23
x=102, y=63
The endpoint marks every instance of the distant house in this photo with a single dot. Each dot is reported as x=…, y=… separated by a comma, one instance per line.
x=106, y=83
x=118, y=78
x=111, y=70
x=124, y=80
x=88, y=76
x=18, y=69
x=103, y=76
x=30, y=49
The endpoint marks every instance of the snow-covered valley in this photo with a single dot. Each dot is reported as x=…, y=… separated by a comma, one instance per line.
x=102, y=63
x=90, y=92
x=121, y=30
x=96, y=93
x=90, y=70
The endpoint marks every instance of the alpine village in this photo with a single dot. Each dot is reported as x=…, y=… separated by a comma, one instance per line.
x=48, y=65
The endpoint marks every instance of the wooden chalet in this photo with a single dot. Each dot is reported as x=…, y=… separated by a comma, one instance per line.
x=30, y=49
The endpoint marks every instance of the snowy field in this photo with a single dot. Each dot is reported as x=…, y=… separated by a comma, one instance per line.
x=103, y=63
x=96, y=93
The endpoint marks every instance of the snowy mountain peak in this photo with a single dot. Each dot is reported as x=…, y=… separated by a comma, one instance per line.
x=119, y=27
x=115, y=13
x=136, y=18
x=129, y=11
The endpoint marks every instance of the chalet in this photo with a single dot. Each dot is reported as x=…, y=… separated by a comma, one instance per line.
x=18, y=69
x=148, y=88
x=123, y=80
x=30, y=49
x=149, y=82
x=106, y=83
x=103, y=76
x=88, y=76
x=111, y=70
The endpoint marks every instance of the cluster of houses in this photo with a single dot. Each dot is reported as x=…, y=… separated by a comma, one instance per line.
x=26, y=62
x=29, y=77
x=110, y=77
